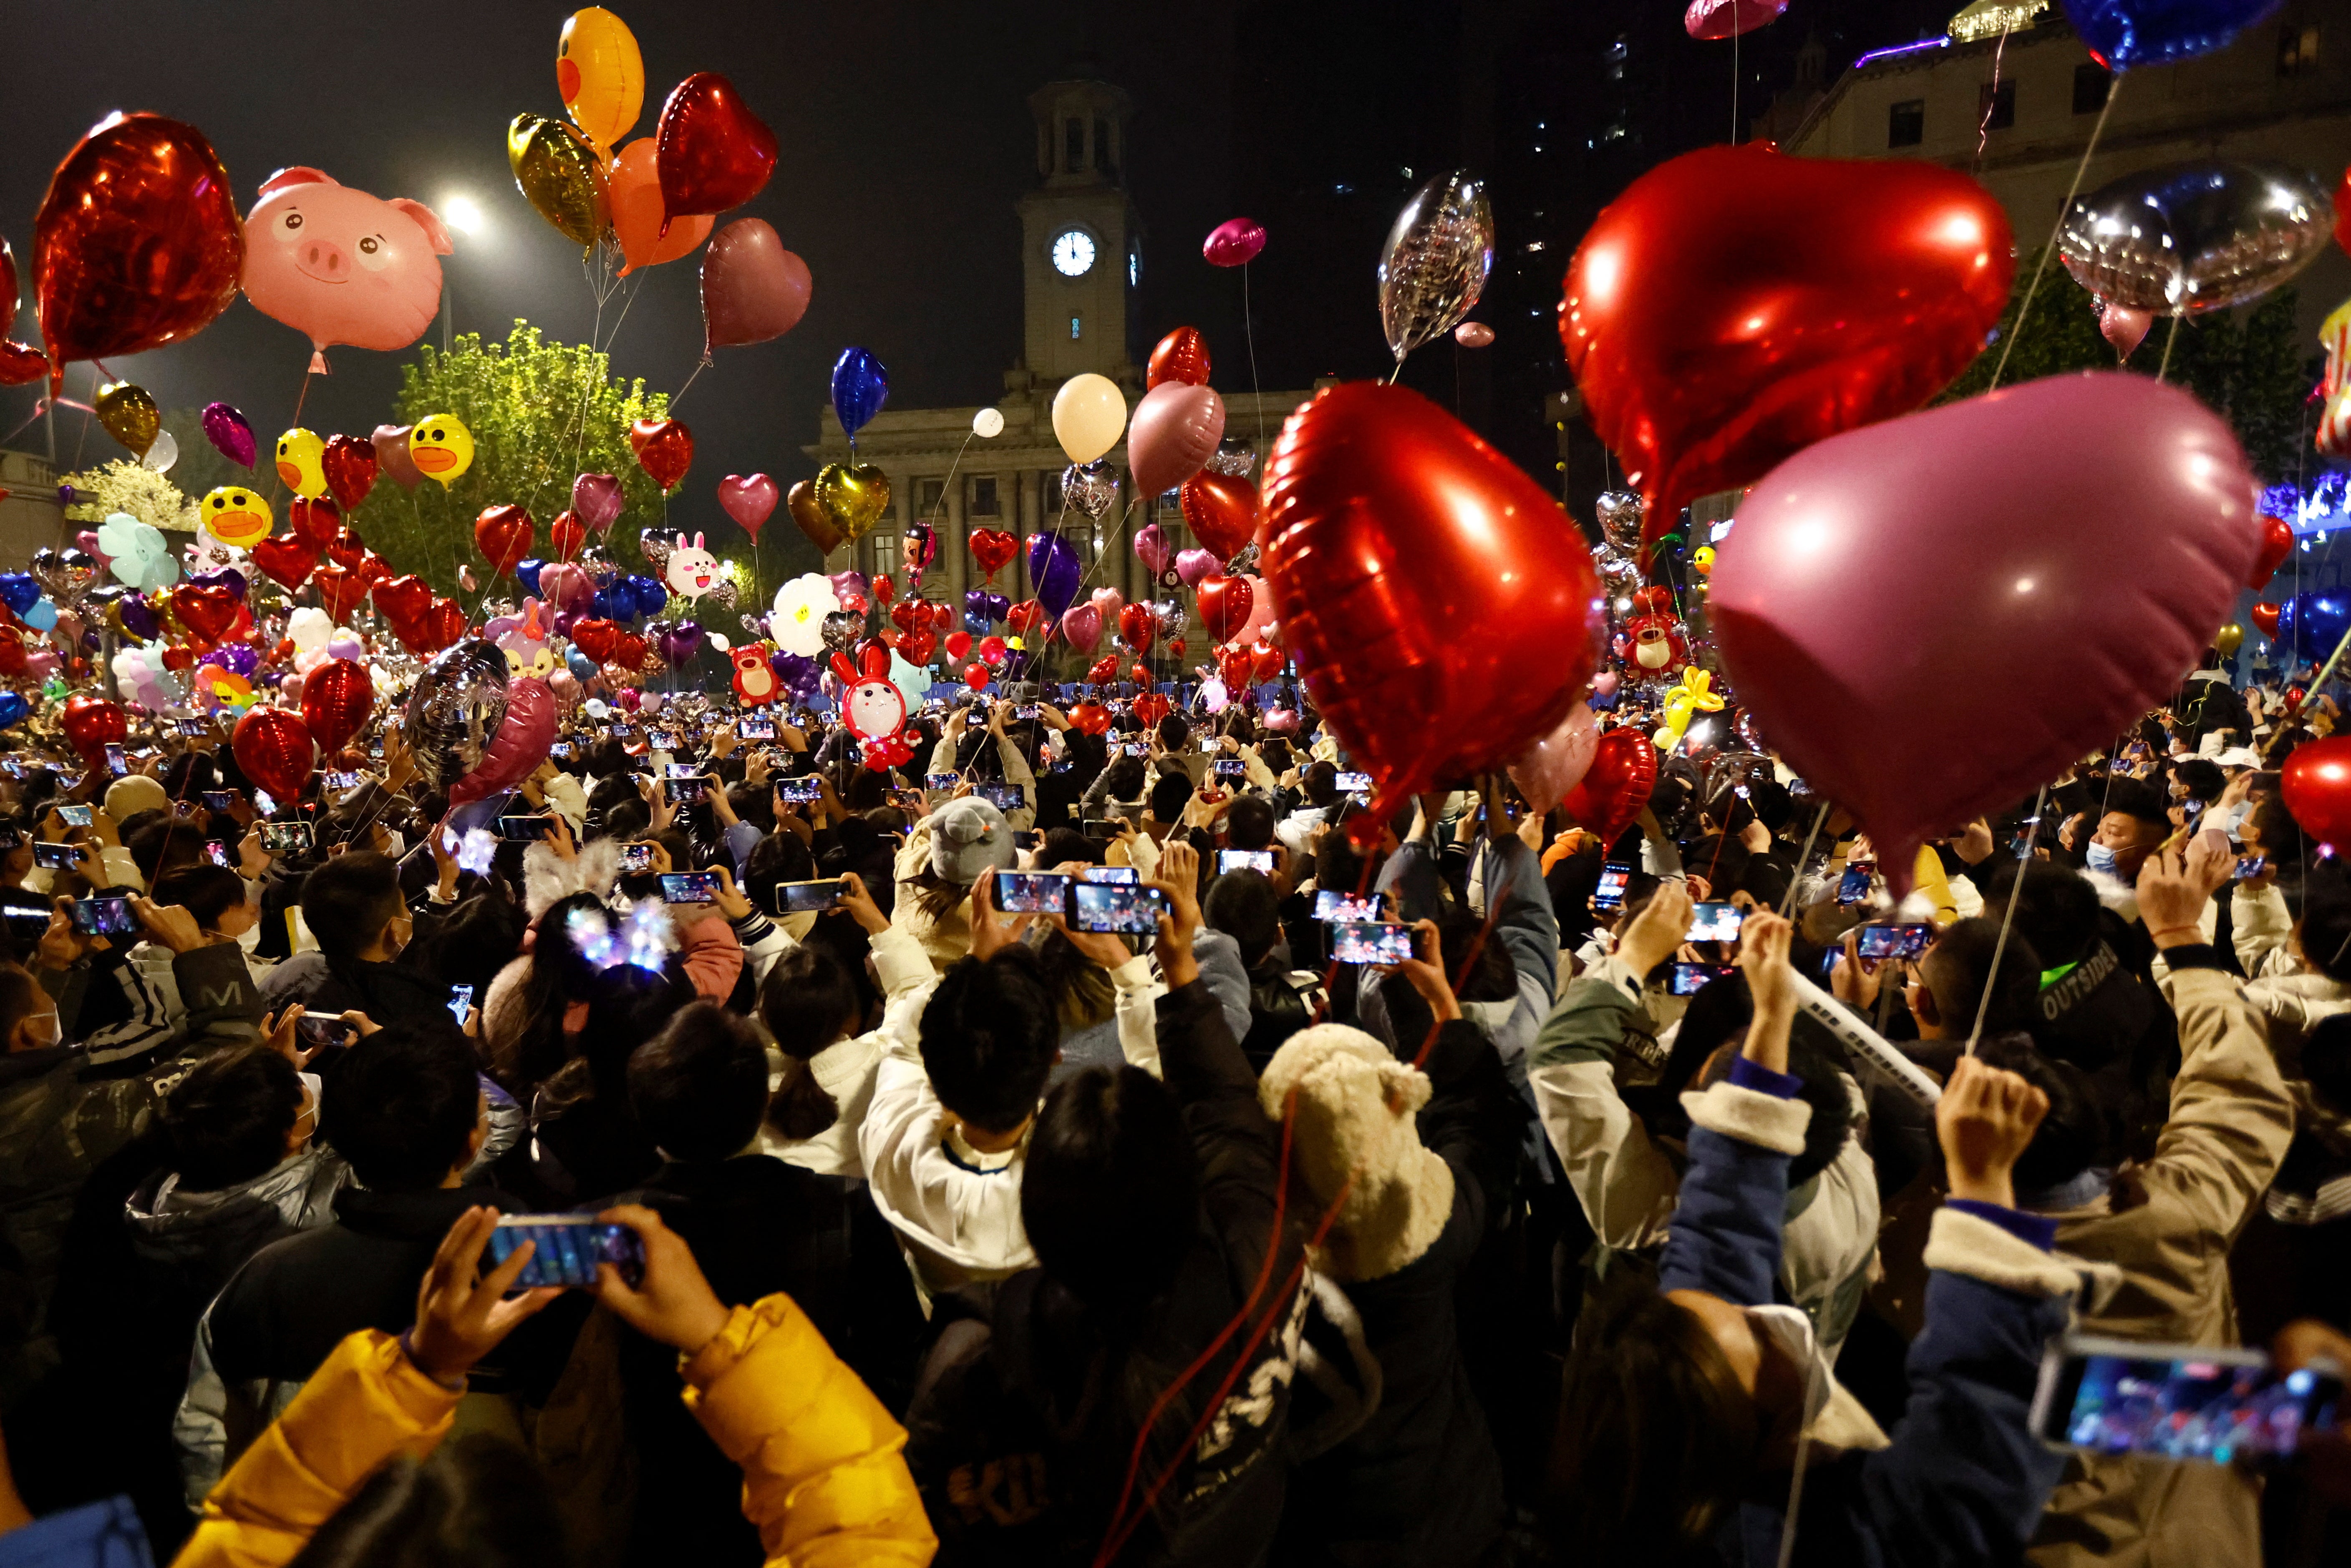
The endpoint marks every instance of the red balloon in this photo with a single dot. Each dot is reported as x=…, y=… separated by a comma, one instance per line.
x=1024, y=615
x=975, y=676
x=341, y=589
x=347, y=549
x=285, y=559
x=916, y=646
x=1225, y=605
x=1090, y=715
x=1141, y=671
x=959, y=644
x=2265, y=616
x=505, y=533
x=337, y=699
x=1181, y=356
x=19, y=362
x=1138, y=626
x=1616, y=786
x=992, y=548
x=92, y=724
x=1221, y=511
x=519, y=746
x=137, y=243
x=207, y=609
x=566, y=534
x=1736, y=305
x=712, y=153
x=1265, y=662
x=350, y=462
x=2317, y=788
x=1415, y=572
x=2277, y=543
x=2343, y=211
x=752, y=288
x=596, y=637
x=1102, y=671
x=403, y=600
x=664, y=449
x=275, y=749
x=1233, y=668
x=314, y=519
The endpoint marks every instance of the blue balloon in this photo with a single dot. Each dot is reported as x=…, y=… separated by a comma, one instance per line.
x=527, y=573
x=860, y=387
x=975, y=624
x=2311, y=624
x=614, y=603
x=18, y=591
x=1053, y=567
x=42, y=616
x=649, y=595
x=14, y=709
x=580, y=663
x=2122, y=34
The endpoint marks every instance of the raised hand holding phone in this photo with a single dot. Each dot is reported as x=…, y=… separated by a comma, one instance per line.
x=1178, y=878
x=462, y=1315
x=673, y=1303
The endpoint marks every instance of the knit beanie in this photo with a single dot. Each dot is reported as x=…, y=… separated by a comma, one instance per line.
x=134, y=793
x=1354, y=1108
x=968, y=837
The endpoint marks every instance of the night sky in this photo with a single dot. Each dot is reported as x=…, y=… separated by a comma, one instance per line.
x=905, y=140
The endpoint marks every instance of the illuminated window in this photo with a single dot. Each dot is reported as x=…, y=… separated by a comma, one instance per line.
x=2297, y=48
x=1906, y=123
x=1077, y=327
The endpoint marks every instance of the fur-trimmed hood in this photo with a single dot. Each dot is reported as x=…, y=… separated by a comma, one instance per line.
x=547, y=878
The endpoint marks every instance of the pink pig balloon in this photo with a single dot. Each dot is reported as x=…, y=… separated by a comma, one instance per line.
x=340, y=265
x=1934, y=615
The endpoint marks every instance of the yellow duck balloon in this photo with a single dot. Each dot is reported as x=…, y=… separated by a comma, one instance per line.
x=1696, y=695
x=601, y=77
x=301, y=462
x=1702, y=561
x=236, y=515
x=441, y=448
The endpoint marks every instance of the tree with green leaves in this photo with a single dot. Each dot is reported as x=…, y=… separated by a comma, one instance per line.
x=539, y=412
x=2245, y=365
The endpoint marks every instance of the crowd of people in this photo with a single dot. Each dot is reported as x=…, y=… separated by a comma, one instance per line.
x=1123, y=1147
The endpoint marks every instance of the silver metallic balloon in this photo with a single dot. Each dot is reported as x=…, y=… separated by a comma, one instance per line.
x=722, y=592
x=1170, y=617
x=1620, y=518
x=841, y=629
x=455, y=709
x=1435, y=262
x=1091, y=487
x=64, y=575
x=1620, y=573
x=2192, y=237
x=1234, y=456
x=657, y=543
x=752, y=625
x=598, y=563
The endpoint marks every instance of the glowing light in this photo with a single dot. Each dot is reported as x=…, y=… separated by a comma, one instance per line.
x=1602, y=270
x=459, y=213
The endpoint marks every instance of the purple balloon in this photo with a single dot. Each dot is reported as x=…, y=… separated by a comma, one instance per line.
x=598, y=498
x=138, y=618
x=564, y=620
x=229, y=434
x=236, y=658
x=1891, y=601
x=799, y=675
x=682, y=642
x=224, y=577
x=1053, y=567
x=982, y=605
x=850, y=584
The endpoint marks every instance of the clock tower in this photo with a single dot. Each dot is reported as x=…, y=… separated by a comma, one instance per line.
x=1081, y=248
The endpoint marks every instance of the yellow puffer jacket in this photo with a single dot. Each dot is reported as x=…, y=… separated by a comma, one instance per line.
x=822, y=1474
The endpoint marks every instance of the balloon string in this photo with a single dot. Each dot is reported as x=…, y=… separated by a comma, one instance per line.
x=2041, y=263
x=1992, y=102
x=1991, y=976
x=2169, y=338
x=1248, y=333
x=679, y=395
x=1788, y=904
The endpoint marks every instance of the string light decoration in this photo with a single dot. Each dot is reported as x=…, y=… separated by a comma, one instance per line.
x=1990, y=18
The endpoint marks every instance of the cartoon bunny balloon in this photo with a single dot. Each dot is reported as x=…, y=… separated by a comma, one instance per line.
x=874, y=710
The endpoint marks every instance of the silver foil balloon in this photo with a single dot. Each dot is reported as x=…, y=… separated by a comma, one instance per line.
x=2192, y=237
x=1170, y=617
x=657, y=543
x=1234, y=456
x=1435, y=262
x=752, y=626
x=1620, y=518
x=1091, y=487
x=722, y=592
x=64, y=575
x=842, y=629
x=455, y=709
x=598, y=563
x=1620, y=573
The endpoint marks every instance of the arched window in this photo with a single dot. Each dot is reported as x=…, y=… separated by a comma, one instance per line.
x=1073, y=146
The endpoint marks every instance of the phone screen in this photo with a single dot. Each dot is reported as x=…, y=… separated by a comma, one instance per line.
x=216, y=852
x=941, y=781
x=758, y=729
x=1229, y=767
x=566, y=1248
x=344, y=780
x=1353, y=783
x=1245, y=860
x=1610, y=894
x=1332, y=904
x=800, y=791
x=2177, y=1402
x=681, y=770
x=461, y=1002
x=525, y=830
x=1004, y=797
x=1125, y=876
x=661, y=739
x=560, y=752
x=285, y=838
x=1893, y=941
x=1854, y=885
x=636, y=857
x=808, y=897
x=219, y=800
x=1688, y=979
x=195, y=727
x=55, y=857
x=690, y=886
x=104, y=917
x=2250, y=866
x=1715, y=922
x=1114, y=906
x=116, y=763
x=1031, y=892
x=75, y=816
x=1371, y=942
x=26, y=917
x=1102, y=829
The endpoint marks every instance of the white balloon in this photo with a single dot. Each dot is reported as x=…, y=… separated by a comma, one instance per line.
x=988, y=424
x=163, y=454
x=718, y=641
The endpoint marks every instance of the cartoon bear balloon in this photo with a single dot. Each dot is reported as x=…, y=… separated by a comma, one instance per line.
x=340, y=266
x=874, y=710
x=755, y=678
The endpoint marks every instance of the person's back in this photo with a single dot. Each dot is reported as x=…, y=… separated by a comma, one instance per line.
x=354, y=907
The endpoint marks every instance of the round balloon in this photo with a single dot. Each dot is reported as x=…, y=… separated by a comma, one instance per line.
x=1089, y=417
x=340, y=266
x=600, y=75
x=275, y=749
x=441, y=448
x=2317, y=789
x=2189, y=238
x=1435, y=264
x=454, y=711
x=633, y=192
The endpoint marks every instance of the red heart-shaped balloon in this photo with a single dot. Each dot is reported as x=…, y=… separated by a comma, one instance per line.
x=908, y=614
x=371, y=570
x=285, y=559
x=21, y=365
x=443, y=625
x=1140, y=672
x=1181, y=356
x=1616, y=786
x=178, y=659
x=710, y=152
x=596, y=637
x=1233, y=668
x=1090, y=716
x=206, y=610
x=314, y=519
x=1412, y=567
x=1225, y=605
x=2265, y=616
x=664, y=449
x=1150, y=707
x=959, y=644
x=275, y=749
x=504, y=533
x=335, y=701
x=346, y=547
x=2317, y=789
x=566, y=534
x=1736, y=305
x=1024, y=615
x=2277, y=543
x=1103, y=671
x=340, y=589
x=1138, y=626
x=349, y=464
x=943, y=616
x=12, y=647
x=916, y=645
x=1221, y=511
x=402, y=599
x=884, y=590
x=992, y=548
x=1265, y=662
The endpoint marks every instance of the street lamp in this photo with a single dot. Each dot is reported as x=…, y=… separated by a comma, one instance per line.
x=460, y=213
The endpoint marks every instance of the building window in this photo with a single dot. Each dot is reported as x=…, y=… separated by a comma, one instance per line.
x=983, y=495
x=2297, y=48
x=1049, y=492
x=885, y=550
x=1171, y=504
x=928, y=494
x=1103, y=159
x=1906, y=123
x=1996, y=105
x=2092, y=82
x=1077, y=327
x=1073, y=146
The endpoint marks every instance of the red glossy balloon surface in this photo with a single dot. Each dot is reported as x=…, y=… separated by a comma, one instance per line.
x=336, y=702
x=710, y=150
x=274, y=748
x=2317, y=788
x=664, y=449
x=1181, y=356
x=1616, y=786
x=92, y=724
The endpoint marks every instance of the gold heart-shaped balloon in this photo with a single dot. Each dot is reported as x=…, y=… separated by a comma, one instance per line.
x=853, y=498
x=128, y=414
x=801, y=501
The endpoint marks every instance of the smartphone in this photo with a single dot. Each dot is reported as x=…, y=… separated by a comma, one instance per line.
x=219, y=800
x=1114, y=906
x=525, y=830
x=1609, y=896
x=1893, y=941
x=622, y=731
x=809, y=897
x=1854, y=885
x=325, y=1029
x=1245, y=860
x=104, y=917
x=1330, y=905
x=216, y=852
x=1370, y=942
x=1136, y=748
x=2026, y=832
x=2177, y=1402
x=1004, y=797
x=2252, y=865
x=286, y=838
x=26, y=917
x=681, y=770
x=636, y=857
x=1125, y=876
x=941, y=781
x=1688, y=979
x=56, y=857
x=560, y=752
x=75, y=816
x=461, y=1002
x=690, y=886
x=340, y=781
x=195, y=727
x=757, y=728
x=567, y=1247
x=1353, y=783
x=683, y=792
x=661, y=739
x=1102, y=829
x=116, y=763
x=1715, y=922
x=800, y=791
x=1228, y=767
x=1025, y=710
x=1031, y=892
x=910, y=801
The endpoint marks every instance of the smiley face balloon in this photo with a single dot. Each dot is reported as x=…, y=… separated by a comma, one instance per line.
x=601, y=76
x=236, y=515
x=441, y=448
x=301, y=462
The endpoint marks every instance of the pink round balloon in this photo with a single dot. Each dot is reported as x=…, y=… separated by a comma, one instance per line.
x=1473, y=335
x=519, y=746
x=2123, y=328
x=598, y=499
x=752, y=288
x=231, y=436
x=1545, y=771
x=1082, y=627
x=1729, y=18
x=1932, y=616
x=748, y=501
x=340, y=266
x=1195, y=565
x=1172, y=433
x=1233, y=243
x=566, y=585
x=1151, y=548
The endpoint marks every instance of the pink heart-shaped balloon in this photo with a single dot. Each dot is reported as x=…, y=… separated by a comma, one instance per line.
x=1933, y=616
x=1193, y=565
x=1173, y=432
x=1545, y=771
x=566, y=585
x=749, y=501
x=391, y=456
x=1110, y=601
x=1604, y=684
x=1151, y=548
x=1082, y=627
x=598, y=498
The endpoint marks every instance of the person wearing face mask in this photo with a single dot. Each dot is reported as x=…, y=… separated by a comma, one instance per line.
x=368, y=959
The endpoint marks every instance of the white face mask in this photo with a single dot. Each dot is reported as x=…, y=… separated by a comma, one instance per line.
x=395, y=842
x=57, y=1026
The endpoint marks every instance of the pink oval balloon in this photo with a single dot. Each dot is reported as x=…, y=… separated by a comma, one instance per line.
x=1194, y=565
x=748, y=501
x=1173, y=432
x=1473, y=335
x=340, y=266
x=752, y=288
x=1933, y=616
x=1151, y=548
x=1082, y=627
x=392, y=457
x=1233, y=243
x=1729, y=18
x=519, y=746
x=1545, y=771
x=598, y=499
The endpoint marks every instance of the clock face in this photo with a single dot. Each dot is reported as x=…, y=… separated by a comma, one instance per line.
x=1074, y=253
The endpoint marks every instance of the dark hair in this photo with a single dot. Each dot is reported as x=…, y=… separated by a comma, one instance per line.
x=1126, y=776
x=163, y=842
x=1248, y=822
x=988, y=1037
x=1063, y=845
x=628, y=821
x=2325, y=931
x=21, y=996
x=2056, y=910
x=1174, y=732
x=204, y=891
x=1169, y=795
x=402, y=1105
x=700, y=1087
x=2326, y=1062
x=2072, y=1136
x=477, y=939
x=2201, y=777
x=1817, y=1061
x=1956, y=968
x=348, y=900
x=477, y=1503
x=2136, y=799
x=1321, y=782
x=228, y=1118
x=559, y=975
x=810, y=1000
x=1243, y=906
x=1110, y=1195
x=778, y=857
